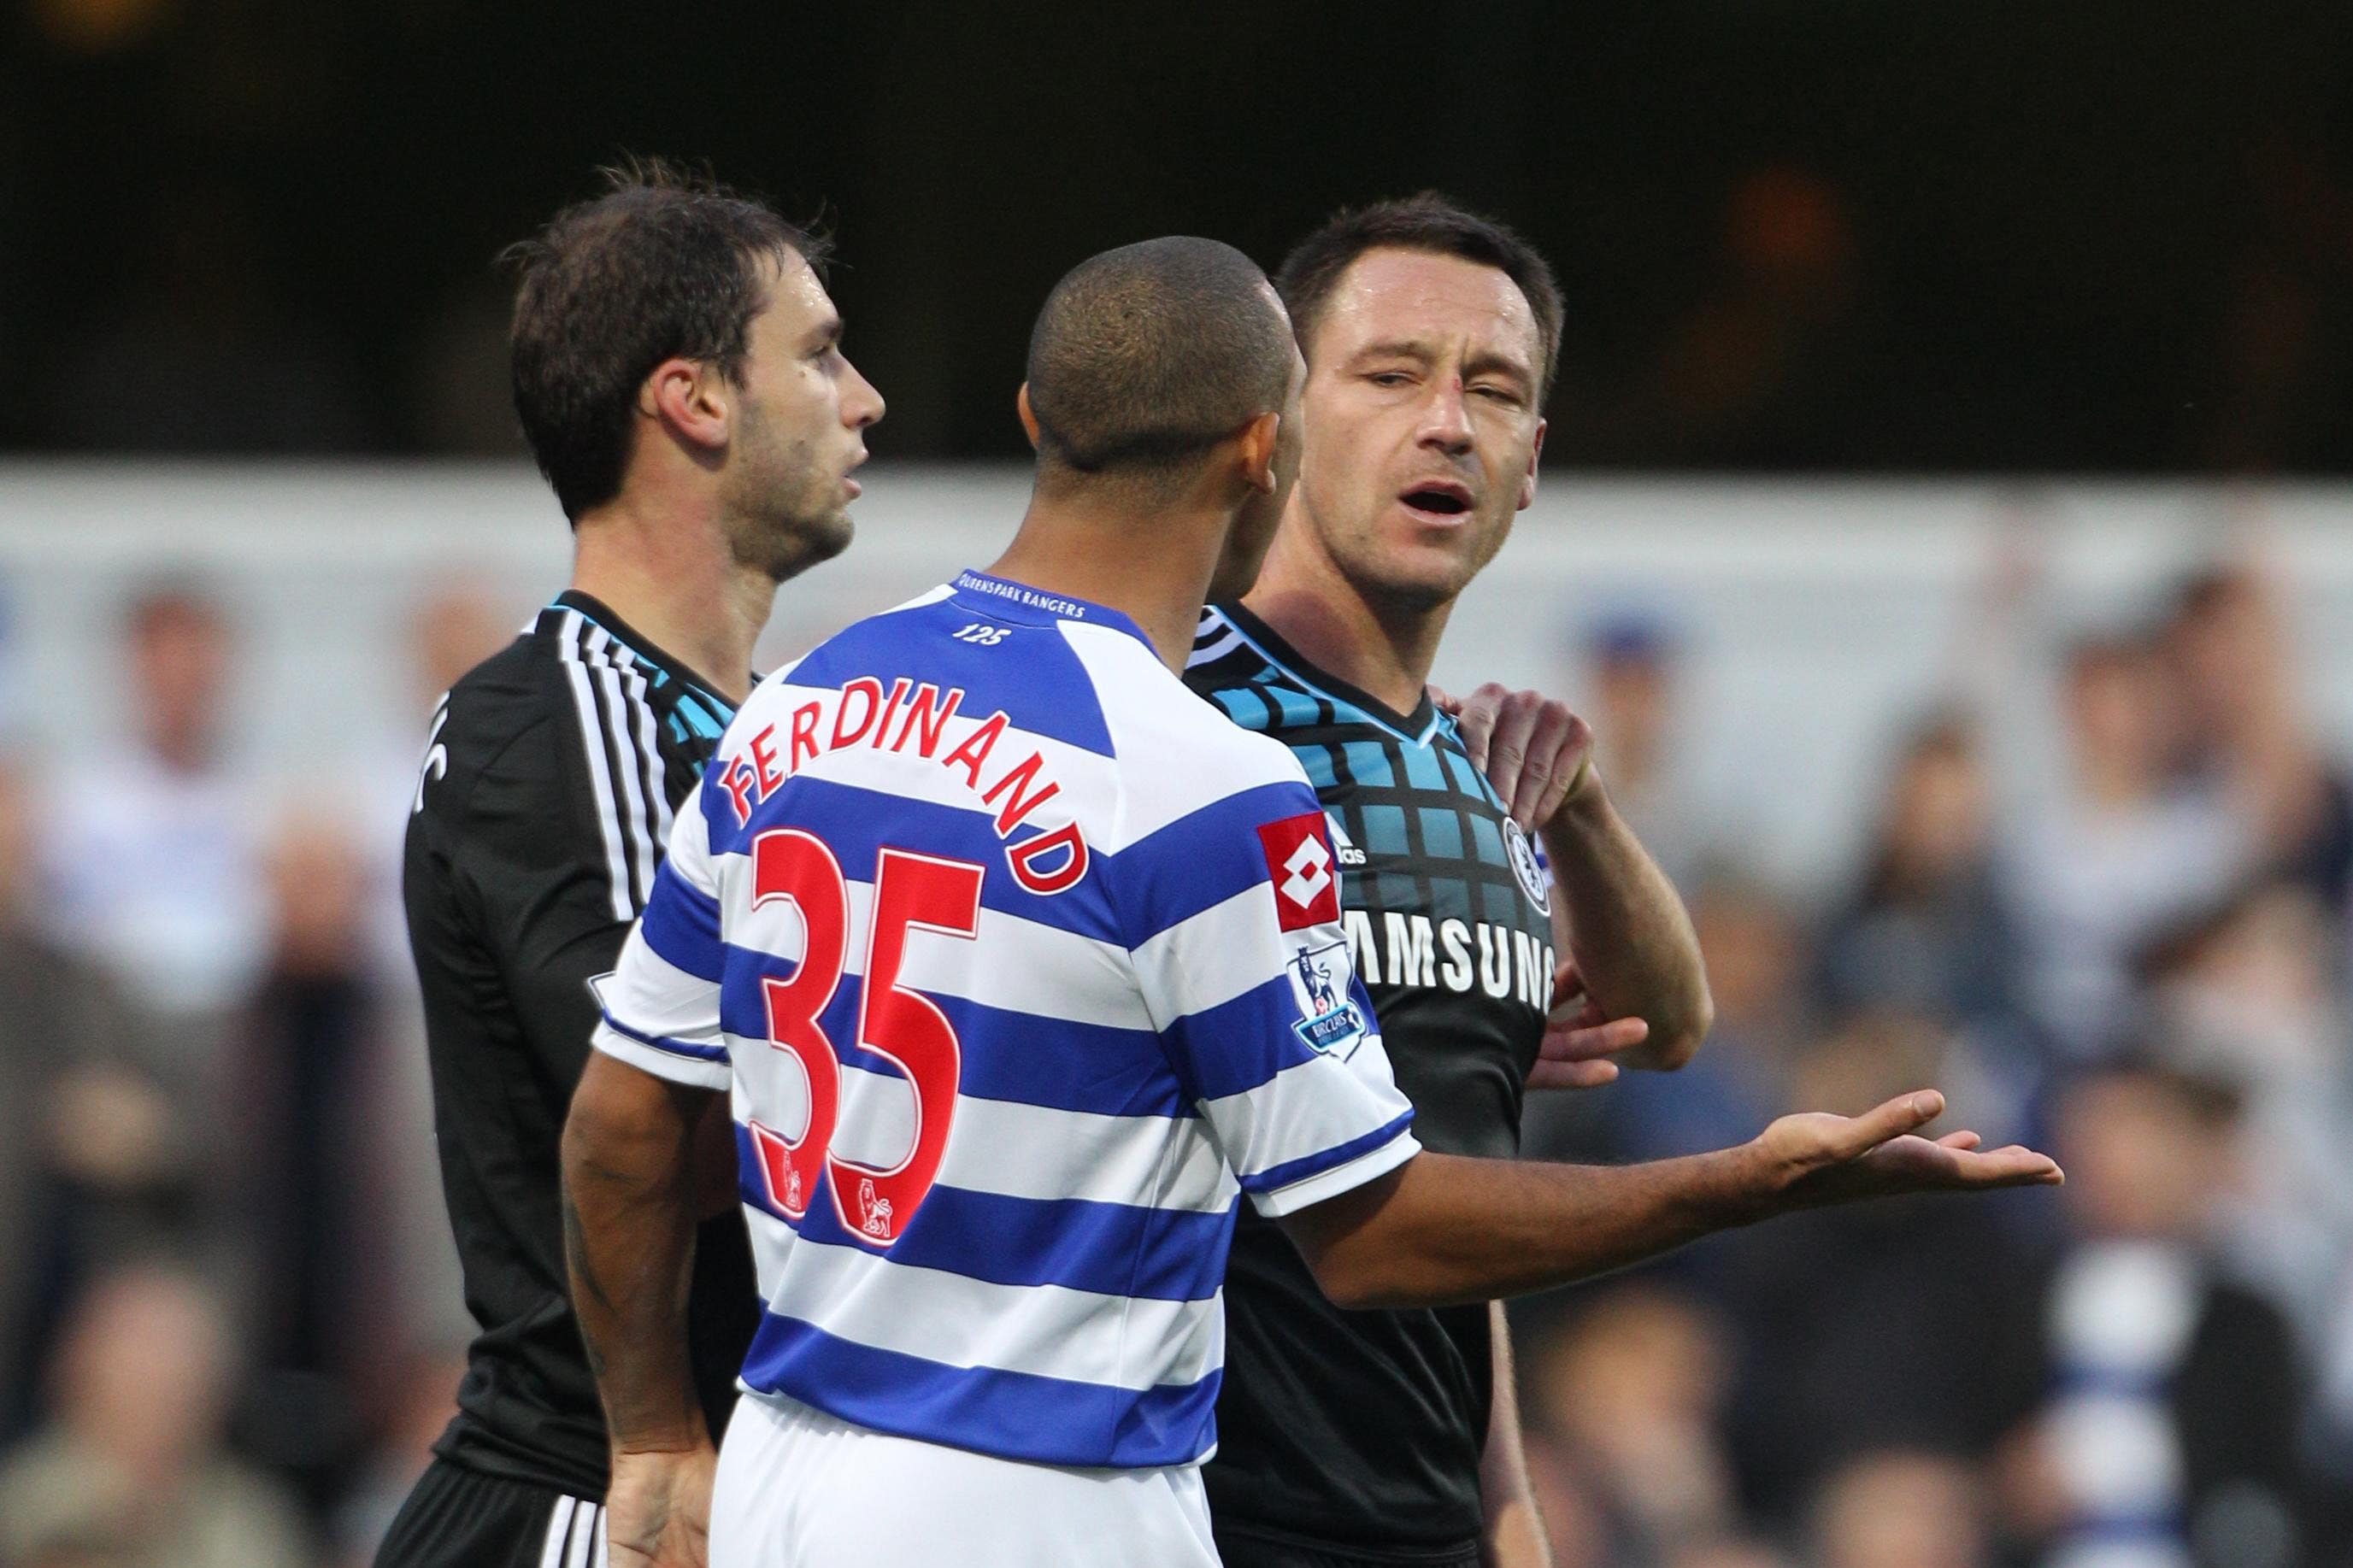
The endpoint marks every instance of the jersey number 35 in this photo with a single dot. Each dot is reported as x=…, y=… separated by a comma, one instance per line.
x=904, y=1027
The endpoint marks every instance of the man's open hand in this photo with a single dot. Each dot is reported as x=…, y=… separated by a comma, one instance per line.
x=658, y=1512
x=1815, y=1158
x=1578, y=1038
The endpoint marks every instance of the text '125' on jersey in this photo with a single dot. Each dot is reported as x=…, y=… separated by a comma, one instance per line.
x=1024, y=966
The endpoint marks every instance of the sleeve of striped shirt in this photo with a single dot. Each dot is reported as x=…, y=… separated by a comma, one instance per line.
x=661, y=1006
x=623, y=761
x=1245, y=967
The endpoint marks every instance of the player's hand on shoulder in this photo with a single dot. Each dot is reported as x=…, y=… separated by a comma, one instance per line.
x=1532, y=748
x=658, y=1509
x=1579, y=1038
x=1814, y=1158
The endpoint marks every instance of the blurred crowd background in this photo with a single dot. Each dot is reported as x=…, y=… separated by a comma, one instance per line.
x=2097, y=888
x=230, y=1327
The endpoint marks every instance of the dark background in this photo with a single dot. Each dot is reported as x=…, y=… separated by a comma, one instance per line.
x=1885, y=234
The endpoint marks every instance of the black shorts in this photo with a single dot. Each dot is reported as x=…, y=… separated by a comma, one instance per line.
x=457, y=1518
x=1238, y=1549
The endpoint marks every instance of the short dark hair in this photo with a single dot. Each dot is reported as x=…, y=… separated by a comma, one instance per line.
x=1149, y=354
x=1428, y=222
x=666, y=263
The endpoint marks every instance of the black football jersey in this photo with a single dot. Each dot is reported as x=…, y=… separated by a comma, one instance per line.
x=1364, y=1429
x=550, y=776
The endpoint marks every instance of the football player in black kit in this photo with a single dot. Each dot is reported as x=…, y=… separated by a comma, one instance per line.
x=1383, y=1439
x=679, y=373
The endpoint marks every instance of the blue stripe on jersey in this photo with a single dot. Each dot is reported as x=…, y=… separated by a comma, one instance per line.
x=1422, y=769
x=1040, y=685
x=1020, y=1416
x=856, y=824
x=1368, y=764
x=1384, y=829
x=682, y=924
x=1056, y=1063
x=1199, y=861
x=710, y=715
x=1489, y=840
x=665, y=1043
x=1299, y=1170
x=1241, y=1043
x=1442, y=833
x=1243, y=708
x=1295, y=717
x=1111, y=1249
x=1195, y=863
x=1469, y=780
x=1298, y=708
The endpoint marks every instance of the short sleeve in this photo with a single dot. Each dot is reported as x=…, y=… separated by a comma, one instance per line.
x=526, y=877
x=660, y=1005
x=1245, y=968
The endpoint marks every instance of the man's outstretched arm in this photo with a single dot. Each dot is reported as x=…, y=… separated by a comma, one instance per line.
x=1442, y=1229
x=629, y=1207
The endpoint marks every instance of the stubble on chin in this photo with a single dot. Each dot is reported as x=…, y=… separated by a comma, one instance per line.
x=781, y=547
x=1380, y=583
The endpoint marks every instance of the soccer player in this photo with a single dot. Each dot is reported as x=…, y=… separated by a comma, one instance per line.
x=1362, y=1438
x=1024, y=966
x=678, y=369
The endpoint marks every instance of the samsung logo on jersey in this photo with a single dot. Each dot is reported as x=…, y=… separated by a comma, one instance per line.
x=1414, y=950
x=1052, y=861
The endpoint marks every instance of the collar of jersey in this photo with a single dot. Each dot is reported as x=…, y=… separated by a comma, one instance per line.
x=1417, y=728
x=595, y=610
x=1008, y=600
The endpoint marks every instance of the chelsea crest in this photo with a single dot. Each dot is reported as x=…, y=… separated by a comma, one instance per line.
x=1527, y=867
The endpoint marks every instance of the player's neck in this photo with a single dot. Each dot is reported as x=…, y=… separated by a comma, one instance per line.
x=1383, y=650
x=1155, y=569
x=675, y=582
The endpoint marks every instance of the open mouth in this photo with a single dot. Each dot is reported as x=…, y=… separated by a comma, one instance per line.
x=1439, y=499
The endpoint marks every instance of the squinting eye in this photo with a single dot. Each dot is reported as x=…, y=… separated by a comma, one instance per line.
x=1387, y=378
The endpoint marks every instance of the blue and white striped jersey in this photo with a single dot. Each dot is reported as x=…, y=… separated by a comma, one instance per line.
x=1023, y=964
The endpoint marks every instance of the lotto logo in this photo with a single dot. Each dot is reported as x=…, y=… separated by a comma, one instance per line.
x=1298, y=860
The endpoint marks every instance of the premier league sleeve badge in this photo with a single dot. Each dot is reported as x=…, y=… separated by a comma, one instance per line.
x=1330, y=1022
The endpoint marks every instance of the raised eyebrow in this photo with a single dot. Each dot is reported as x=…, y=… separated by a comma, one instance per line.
x=1399, y=348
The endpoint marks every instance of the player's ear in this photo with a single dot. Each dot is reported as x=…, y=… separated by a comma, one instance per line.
x=692, y=399
x=1258, y=445
x=1028, y=420
x=1528, y=480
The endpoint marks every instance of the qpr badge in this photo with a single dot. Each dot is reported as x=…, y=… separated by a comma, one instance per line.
x=1527, y=867
x=1330, y=1023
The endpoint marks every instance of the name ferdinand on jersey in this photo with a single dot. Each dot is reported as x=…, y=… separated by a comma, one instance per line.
x=1414, y=950
x=864, y=715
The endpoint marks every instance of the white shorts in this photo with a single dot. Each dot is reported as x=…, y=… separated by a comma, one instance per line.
x=799, y=1488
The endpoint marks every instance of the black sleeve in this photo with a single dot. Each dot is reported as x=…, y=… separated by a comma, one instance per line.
x=532, y=863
